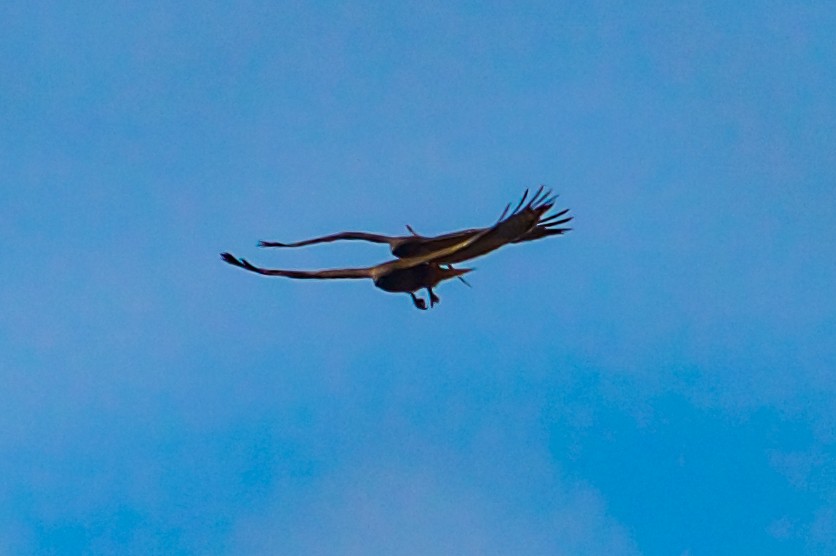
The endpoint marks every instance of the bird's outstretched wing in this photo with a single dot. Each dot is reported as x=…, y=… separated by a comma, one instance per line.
x=508, y=228
x=346, y=273
x=416, y=245
x=513, y=228
x=375, y=271
x=521, y=220
x=547, y=227
x=352, y=273
x=362, y=236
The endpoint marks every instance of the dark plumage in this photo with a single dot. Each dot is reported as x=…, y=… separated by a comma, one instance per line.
x=420, y=265
x=415, y=244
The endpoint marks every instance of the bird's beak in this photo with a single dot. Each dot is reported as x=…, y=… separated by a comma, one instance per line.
x=448, y=273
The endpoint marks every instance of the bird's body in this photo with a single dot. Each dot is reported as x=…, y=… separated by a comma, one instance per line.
x=420, y=261
x=412, y=279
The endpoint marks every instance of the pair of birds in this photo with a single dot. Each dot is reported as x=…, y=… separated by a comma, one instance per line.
x=424, y=262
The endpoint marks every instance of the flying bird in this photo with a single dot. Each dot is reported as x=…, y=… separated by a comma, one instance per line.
x=420, y=266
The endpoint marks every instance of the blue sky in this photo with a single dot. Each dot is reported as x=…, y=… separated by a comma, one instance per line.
x=659, y=381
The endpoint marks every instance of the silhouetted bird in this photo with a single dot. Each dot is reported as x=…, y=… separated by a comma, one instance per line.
x=423, y=270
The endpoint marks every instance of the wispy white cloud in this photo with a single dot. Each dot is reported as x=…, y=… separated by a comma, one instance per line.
x=383, y=507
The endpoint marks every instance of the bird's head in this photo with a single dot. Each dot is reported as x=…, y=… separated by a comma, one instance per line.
x=440, y=274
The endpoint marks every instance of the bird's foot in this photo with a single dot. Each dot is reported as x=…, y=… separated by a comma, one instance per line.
x=419, y=303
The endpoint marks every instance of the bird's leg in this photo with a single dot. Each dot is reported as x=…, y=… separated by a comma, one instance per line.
x=433, y=298
x=420, y=303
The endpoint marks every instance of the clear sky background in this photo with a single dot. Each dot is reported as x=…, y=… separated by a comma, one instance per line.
x=658, y=381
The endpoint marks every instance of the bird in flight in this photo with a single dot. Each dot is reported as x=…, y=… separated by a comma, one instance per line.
x=424, y=262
